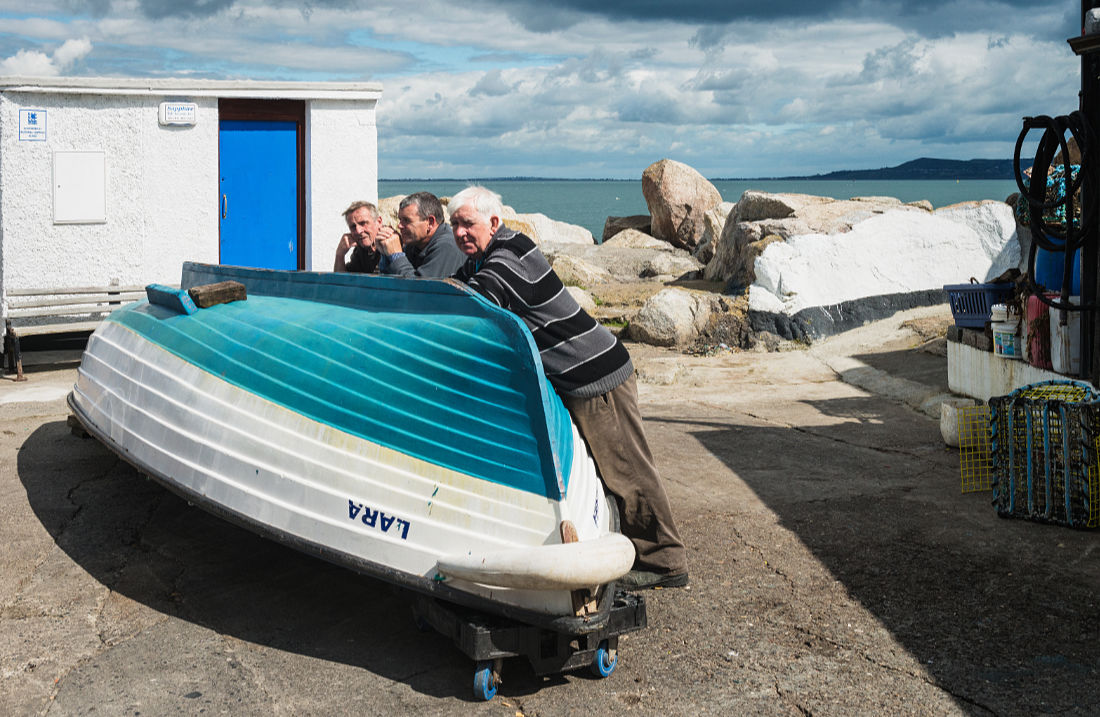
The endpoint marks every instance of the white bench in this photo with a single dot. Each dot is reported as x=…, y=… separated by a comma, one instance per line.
x=33, y=312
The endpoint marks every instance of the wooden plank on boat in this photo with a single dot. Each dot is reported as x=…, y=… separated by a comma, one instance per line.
x=222, y=292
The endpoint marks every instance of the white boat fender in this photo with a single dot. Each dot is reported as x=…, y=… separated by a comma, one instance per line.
x=563, y=566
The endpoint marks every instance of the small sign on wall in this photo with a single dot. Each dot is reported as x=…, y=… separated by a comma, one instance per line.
x=32, y=125
x=178, y=113
x=80, y=187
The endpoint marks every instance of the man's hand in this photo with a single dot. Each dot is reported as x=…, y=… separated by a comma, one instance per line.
x=346, y=243
x=388, y=241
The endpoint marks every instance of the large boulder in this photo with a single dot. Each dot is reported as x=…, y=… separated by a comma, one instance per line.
x=583, y=298
x=991, y=224
x=634, y=239
x=625, y=263
x=671, y=317
x=678, y=197
x=759, y=214
x=714, y=222
x=671, y=266
x=755, y=205
x=551, y=230
x=614, y=225
x=388, y=208
x=575, y=271
x=902, y=252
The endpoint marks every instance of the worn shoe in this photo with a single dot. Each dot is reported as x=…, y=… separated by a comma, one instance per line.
x=645, y=580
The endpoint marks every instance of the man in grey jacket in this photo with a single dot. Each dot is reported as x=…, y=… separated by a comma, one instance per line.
x=423, y=244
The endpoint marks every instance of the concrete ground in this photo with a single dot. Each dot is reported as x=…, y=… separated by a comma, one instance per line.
x=836, y=570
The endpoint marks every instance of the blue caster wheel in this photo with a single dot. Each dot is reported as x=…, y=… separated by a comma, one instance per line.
x=485, y=681
x=604, y=661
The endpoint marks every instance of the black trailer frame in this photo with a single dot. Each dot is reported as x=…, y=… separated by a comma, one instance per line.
x=488, y=639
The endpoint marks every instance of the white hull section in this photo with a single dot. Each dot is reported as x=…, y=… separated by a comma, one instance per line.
x=305, y=479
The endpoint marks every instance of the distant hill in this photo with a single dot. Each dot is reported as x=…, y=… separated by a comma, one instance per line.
x=927, y=168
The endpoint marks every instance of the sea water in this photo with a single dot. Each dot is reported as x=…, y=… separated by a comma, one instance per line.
x=589, y=202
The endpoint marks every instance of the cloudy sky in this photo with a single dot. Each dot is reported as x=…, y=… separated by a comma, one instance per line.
x=582, y=88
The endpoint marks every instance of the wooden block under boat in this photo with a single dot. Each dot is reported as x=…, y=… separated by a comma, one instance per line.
x=222, y=292
x=76, y=427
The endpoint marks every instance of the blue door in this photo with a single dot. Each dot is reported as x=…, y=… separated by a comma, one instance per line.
x=258, y=165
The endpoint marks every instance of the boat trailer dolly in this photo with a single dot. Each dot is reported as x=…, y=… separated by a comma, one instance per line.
x=488, y=639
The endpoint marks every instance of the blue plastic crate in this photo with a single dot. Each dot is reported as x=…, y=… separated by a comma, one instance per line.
x=971, y=304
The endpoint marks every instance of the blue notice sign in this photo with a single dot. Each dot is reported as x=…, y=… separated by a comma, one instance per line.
x=32, y=125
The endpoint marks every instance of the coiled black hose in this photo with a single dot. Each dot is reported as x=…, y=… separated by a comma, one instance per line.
x=1072, y=233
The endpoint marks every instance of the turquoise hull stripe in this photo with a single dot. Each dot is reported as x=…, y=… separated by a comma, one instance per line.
x=432, y=371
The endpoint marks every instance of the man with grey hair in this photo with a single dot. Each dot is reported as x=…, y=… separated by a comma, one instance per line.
x=364, y=222
x=589, y=368
x=423, y=244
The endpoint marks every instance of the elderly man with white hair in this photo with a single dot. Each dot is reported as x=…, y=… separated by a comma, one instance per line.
x=589, y=368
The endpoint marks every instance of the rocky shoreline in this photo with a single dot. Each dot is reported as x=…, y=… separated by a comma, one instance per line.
x=699, y=272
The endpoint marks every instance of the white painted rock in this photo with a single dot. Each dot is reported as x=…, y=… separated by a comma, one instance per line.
x=898, y=251
x=992, y=222
x=760, y=214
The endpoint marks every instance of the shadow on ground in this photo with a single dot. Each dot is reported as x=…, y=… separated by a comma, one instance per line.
x=913, y=364
x=1001, y=613
x=142, y=541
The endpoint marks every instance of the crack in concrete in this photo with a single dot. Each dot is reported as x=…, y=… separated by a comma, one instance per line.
x=917, y=675
x=763, y=558
x=78, y=508
x=840, y=439
x=61, y=529
x=106, y=645
x=836, y=645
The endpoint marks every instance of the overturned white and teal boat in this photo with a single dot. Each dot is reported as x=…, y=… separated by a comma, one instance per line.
x=403, y=428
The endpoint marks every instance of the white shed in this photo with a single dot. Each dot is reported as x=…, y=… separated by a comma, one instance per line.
x=121, y=180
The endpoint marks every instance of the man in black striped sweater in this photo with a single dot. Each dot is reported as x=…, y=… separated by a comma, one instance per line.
x=591, y=371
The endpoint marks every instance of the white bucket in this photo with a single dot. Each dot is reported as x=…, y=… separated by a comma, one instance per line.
x=1005, y=341
x=1065, y=341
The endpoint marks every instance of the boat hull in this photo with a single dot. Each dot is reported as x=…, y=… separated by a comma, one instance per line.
x=339, y=495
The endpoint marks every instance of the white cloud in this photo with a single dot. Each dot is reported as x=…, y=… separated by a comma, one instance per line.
x=29, y=63
x=33, y=63
x=70, y=52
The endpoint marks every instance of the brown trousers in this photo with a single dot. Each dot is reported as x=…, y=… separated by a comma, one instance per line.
x=612, y=427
